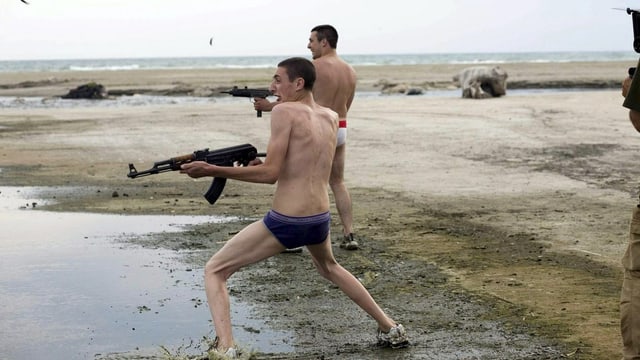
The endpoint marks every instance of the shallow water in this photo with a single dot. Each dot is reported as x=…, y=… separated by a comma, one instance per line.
x=13, y=102
x=70, y=288
x=36, y=102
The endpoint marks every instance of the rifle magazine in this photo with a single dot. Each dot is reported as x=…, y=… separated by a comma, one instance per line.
x=215, y=190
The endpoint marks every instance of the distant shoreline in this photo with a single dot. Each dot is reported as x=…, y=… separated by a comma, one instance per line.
x=268, y=61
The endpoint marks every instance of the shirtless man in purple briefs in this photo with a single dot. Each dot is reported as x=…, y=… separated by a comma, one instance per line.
x=301, y=148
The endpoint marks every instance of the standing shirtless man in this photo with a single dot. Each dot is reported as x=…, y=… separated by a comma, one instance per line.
x=301, y=151
x=335, y=88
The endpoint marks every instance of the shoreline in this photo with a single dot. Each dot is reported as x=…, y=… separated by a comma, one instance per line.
x=209, y=82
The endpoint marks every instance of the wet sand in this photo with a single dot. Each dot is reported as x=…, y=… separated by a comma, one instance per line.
x=491, y=228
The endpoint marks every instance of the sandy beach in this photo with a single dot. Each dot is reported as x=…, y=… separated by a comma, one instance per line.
x=512, y=210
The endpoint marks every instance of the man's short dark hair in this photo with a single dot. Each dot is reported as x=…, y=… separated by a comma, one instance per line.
x=327, y=32
x=299, y=67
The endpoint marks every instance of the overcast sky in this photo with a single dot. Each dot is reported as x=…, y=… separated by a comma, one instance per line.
x=65, y=29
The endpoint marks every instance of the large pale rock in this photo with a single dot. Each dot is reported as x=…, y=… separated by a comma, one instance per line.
x=480, y=82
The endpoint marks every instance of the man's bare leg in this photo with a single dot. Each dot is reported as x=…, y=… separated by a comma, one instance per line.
x=342, y=197
x=250, y=245
x=327, y=266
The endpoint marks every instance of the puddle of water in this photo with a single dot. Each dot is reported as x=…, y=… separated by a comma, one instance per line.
x=70, y=290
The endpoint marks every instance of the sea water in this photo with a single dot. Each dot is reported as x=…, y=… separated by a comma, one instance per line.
x=248, y=62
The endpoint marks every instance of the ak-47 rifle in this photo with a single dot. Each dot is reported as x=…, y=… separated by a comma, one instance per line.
x=239, y=154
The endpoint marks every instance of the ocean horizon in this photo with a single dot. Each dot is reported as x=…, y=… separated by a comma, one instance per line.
x=249, y=62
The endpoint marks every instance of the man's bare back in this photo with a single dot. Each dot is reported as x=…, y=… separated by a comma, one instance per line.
x=335, y=85
x=311, y=134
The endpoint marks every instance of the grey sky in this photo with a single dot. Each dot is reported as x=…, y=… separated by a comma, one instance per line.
x=59, y=29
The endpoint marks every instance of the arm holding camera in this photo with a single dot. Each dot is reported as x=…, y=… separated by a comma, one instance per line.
x=631, y=85
x=631, y=92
